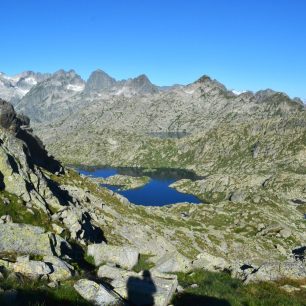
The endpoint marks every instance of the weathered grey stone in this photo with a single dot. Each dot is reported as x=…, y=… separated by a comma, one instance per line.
x=209, y=262
x=277, y=270
x=173, y=262
x=61, y=270
x=147, y=287
x=290, y=288
x=95, y=293
x=124, y=256
x=28, y=239
x=32, y=268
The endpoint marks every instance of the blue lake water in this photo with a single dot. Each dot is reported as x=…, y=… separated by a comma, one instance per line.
x=156, y=193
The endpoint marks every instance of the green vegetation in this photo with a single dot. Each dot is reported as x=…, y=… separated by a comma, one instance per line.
x=34, y=293
x=15, y=208
x=143, y=263
x=220, y=289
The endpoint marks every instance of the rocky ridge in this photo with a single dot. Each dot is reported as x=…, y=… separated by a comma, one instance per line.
x=250, y=149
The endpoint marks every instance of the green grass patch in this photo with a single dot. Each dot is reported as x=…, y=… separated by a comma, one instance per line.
x=143, y=263
x=222, y=290
x=19, y=213
x=34, y=293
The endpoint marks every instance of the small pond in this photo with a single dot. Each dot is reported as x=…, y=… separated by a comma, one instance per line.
x=157, y=192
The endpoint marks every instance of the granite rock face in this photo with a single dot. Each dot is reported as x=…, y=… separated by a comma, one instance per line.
x=28, y=239
x=146, y=287
x=96, y=293
x=124, y=256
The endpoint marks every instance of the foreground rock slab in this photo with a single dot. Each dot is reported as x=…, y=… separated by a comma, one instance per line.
x=144, y=288
x=96, y=293
x=28, y=239
x=124, y=256
x=173, y=262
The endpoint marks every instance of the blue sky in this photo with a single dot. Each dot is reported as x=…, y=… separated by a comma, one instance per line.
x=245, y=44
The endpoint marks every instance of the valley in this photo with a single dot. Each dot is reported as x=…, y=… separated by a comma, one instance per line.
x=232, y=168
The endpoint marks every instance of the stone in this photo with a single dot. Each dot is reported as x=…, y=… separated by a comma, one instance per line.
x=7, y=114
x=272, y=271
x=173, y=262
x=124, y=256
x=210, y=262
x=32, y=268
x=146, y=287
x=290, y=288
x=61, y=270
x=238, y=196
x=285, y=233
x=194, y=286
x=53, y=284
x=57, y=229
x=95, y=293
x=29, y=239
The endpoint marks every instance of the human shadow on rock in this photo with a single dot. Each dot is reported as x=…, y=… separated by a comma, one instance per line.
x=141, y=290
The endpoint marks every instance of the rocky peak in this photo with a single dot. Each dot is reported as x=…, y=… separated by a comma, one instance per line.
x=207, y=82
x=142, y=84
x=99, y=80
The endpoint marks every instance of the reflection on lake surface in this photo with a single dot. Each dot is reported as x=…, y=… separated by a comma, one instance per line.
x=157, y=192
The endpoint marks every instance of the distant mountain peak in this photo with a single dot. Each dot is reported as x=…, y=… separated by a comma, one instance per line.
x=99, y=80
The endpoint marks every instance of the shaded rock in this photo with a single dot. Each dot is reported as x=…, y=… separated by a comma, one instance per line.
x=173, y=262
x=277, y=270
x=144, y=288
x=95, y=293
x=7, y=114
x=61, y=270
x=124, y=256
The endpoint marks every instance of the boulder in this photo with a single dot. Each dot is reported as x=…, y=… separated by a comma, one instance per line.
x=29, y=239
x=31, y=268
x=173, y=262
x=7, y=114
x=95, y=293
x=273, y=271
x=144, y=288
x=61, y=270
x=124, y=256
x=210, y=262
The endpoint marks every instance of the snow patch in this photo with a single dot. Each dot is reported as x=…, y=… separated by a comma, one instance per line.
x=237, y=92
x=75, y=87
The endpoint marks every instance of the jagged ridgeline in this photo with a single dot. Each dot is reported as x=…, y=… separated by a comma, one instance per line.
x=56, y=226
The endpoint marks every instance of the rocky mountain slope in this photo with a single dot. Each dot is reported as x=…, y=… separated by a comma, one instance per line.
x=13, y=88
x=53, y=220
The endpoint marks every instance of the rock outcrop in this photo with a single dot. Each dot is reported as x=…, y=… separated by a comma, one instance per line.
x=142, y=288
x=124, y=256
x=95, y=293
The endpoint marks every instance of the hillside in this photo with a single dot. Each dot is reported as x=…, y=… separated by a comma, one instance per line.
x=248, y=148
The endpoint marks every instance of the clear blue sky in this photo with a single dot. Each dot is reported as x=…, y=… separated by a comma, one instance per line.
x=245, y=44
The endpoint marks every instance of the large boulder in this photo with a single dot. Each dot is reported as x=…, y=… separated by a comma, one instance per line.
x=7, y=114
x=95, y=293
x=29, y=239
x=272, y=271
x=210, y=262
x=31, y=268
x=61, y=270
x=173, y=262
x=144, y=288
x=124, y=256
